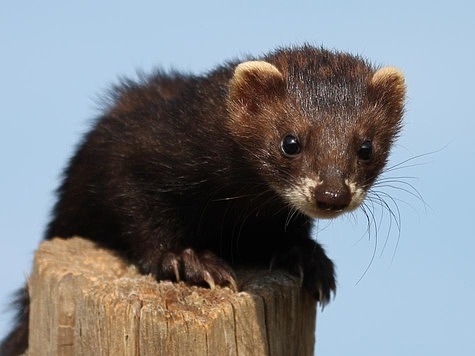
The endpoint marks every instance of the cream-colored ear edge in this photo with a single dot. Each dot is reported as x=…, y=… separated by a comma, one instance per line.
x=385, y=73
x=257, y=67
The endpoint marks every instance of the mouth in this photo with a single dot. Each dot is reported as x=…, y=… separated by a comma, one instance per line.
x=322, y=213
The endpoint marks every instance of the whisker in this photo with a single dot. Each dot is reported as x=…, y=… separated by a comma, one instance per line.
x=406, y=188
x=292, y=212
x=364, y=208
x=393, y=216
x=384, y=204
x=389, y=204
x=234, y=197
x=402, y=164
x=371, y=220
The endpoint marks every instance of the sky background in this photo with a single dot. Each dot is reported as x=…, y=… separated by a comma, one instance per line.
x=417, y=297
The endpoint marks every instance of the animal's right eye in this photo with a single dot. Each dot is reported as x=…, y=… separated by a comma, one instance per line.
x=290, y=146
x=365, y=152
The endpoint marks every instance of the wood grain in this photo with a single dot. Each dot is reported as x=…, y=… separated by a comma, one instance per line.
x=87, y=301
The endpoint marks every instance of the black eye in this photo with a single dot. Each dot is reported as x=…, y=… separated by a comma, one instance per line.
x=365, y=152
x=290, y=146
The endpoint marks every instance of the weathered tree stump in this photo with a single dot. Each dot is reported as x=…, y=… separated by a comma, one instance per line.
x=87, y=301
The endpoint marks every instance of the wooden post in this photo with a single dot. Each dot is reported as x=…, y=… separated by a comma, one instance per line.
x=87, y=301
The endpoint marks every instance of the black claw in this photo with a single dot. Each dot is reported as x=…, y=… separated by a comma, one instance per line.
x=308, y=261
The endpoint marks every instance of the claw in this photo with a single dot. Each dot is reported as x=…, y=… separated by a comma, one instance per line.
x=209, y=279
x=323, y=298
x=195, y=268
x=308, y=261
x=233, y=283
x=174, y=263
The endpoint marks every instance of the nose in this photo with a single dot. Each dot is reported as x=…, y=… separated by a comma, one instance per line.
x=332, y=197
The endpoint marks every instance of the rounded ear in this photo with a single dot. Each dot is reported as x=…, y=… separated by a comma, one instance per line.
x=255, y=82
x=388, y=88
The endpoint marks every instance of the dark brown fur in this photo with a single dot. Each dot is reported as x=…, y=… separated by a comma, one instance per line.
x=185, y=176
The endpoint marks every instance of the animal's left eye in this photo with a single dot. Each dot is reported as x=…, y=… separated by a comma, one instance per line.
x=290, y=145
x=365, y=152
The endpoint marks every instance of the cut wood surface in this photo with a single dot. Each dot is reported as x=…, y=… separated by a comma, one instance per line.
x=87, y=301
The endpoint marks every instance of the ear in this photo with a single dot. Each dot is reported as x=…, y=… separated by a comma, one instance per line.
x=389, y=89
x=253, y=83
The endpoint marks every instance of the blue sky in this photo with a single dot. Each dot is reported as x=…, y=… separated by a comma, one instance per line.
x=417, y=297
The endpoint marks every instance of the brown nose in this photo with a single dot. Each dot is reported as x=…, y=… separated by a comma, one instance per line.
x=334, y=198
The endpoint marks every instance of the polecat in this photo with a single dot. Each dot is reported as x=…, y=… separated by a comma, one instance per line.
x=187, y=176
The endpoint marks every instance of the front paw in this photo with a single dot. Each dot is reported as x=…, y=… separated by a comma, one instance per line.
x=309, y=261
x=196, y=268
